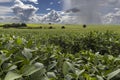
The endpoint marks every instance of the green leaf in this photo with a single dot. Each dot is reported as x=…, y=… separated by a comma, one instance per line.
x=51, y=66
x=78, y=72
x=8, y=66
x=99, y=77
x=19, y=41
x=113, y=74
x=88, y=77
x=33, y=60
x=30, y=69
x=39, y=75
x=27, y=53
x=12, y=76
x=68, y=77
x=51, y=75
x=30, y=42
x=67, y=68
x=4, y=58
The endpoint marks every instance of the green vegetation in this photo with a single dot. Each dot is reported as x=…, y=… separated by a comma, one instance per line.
x=14, y=25
x=73, y=53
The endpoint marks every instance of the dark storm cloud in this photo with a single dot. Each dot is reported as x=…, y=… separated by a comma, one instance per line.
x=73, y=10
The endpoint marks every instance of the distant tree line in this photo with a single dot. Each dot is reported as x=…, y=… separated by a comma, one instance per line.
x=15, y=25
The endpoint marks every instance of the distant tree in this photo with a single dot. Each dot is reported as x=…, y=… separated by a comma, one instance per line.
x=63, y=27
x=40, y=27
x=84, y=26
x=50, y=27
x=15, y=25
x=23, y=25
x=50, y=23
x=6, y=26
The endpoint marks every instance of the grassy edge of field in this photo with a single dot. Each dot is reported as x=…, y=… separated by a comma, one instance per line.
x=72, y=27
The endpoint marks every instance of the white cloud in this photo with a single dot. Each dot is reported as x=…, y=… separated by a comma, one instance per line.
x=59, y=2
x=93, y=11
x=69, y=19
x=48, y=9
x=53, y=16
x=18, y=2
x=34, y=1
x=5, y=10
x=9, y=19
x=1, y=17
x=24, y=11
x=3, y=1
x=112, y=17
x=51, y=3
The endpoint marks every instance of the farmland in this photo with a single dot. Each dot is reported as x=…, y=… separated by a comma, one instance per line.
x=73, y=53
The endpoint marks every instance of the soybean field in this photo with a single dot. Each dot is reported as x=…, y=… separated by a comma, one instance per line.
x=60, y=53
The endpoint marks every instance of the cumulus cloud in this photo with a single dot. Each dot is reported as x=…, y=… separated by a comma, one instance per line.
x=9, y=19
x=24, y=11
x=48, y=9
x=53, y=16
x=59, y=2
x=67, y=19
x=75, y=11
x=112, y=17
x=51, y=3
x=4, y=10
x=1, y=17
x=4, y=1
x=34, y=1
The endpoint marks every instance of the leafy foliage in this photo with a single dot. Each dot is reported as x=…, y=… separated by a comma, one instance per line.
x=91, y=56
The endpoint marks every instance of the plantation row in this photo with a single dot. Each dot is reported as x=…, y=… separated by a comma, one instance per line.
x=90, y=56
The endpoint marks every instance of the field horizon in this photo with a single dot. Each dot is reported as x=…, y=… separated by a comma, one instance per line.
x=71, y=27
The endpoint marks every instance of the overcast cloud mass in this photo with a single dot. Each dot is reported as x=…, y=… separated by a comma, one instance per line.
x=94, y=11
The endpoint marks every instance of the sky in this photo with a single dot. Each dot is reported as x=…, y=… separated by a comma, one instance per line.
x=61, y=11
x=44, y=6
